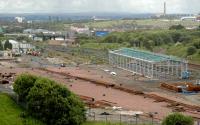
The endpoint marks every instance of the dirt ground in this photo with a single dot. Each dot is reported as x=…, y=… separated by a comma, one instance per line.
x=102, y=73
x=118, y=98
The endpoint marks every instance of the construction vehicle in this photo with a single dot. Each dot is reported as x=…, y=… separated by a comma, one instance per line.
x=33, y=52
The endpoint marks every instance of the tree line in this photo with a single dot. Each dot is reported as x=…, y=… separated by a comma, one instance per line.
x=151, y=39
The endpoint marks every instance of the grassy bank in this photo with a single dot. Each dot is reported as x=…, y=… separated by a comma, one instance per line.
x=10, y=113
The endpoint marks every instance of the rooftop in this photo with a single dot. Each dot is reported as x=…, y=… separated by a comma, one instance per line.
x=145, y=55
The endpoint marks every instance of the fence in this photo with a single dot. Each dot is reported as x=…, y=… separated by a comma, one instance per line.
x=113, y=117
x=98, y=55
x=107, y=116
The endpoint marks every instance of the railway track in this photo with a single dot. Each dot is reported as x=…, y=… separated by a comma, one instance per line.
x=194, y=66
x=194, y=109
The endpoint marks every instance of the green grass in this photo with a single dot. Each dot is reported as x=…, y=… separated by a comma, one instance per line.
x=10, y=113
x=101, y=123
x=103, y=45
x=195, y=58
x=177, y=50
x=143, y=22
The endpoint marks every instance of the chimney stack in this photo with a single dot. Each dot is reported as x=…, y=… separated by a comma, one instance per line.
x=165, y=9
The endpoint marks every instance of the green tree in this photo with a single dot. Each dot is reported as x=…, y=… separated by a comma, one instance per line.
x=23, y=84
x=191, y=50
x=176, y=36
x=177, y=27
x=7, y=45
x=1, y=46
x=55, y=104
x=198, y=28
x=178, y=119
x=24, y=38
x=148, y=44
x=196, y=44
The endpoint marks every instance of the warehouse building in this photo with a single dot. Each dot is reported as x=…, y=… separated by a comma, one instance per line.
x=147, y=64
x=101, y=33
x=18, y=47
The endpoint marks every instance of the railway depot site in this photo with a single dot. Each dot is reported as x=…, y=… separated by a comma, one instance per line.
x=133, y=81
x=95, y=62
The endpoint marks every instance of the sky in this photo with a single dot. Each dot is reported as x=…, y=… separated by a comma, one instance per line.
x=116, y=6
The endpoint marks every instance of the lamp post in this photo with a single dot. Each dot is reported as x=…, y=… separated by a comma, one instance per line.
x=120, y=118
x=105, y=114
x=151, y=115
x=136, y=118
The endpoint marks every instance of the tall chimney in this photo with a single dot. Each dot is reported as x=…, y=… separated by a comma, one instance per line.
x=164, y=9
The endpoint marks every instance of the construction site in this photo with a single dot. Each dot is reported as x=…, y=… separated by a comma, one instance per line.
x=134, y=82
x=151, y=65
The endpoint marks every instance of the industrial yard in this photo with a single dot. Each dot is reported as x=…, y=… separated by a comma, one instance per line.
x=94, y=62
x=106, y=86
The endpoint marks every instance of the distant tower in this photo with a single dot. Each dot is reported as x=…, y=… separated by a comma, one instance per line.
x=165, y=9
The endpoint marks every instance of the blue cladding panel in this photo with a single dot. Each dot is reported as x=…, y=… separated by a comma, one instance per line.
x=101, y=33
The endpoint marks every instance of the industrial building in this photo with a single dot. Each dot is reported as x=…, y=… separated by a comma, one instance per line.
x=18, y=47
x=147, y=64
x=101, y=33
x=189, y=18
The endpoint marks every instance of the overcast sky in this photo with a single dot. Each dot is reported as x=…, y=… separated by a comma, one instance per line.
x=131, y=6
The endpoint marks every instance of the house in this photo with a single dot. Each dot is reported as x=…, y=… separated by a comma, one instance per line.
x=15, y=45
x=81, y=29
x=20, y=19
x=35, y=31
x=189, y=18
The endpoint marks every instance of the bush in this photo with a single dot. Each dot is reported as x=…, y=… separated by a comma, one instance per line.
x=178, y=119
x=196, y=44
x=1, y=46
x=191, y=50
x=177, y=27
x=23, y=84
x=55, y=104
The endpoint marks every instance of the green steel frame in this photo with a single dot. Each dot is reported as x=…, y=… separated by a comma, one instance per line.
x=148, y=64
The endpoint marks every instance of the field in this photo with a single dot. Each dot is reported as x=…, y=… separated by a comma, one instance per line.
x=102, y=46
x=159, y=23
x=10, y=113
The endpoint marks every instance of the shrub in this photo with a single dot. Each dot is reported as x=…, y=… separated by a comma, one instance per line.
x=196, y=44
x=191, y=50
x=177, y=27
x=1, y=46
x=55, y=104
x=23, y=84
x=178, y=119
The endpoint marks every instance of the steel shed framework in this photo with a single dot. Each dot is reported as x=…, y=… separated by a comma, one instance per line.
x=148, y=64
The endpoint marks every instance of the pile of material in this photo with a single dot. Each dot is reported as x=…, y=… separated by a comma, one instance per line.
x=193, y=87
x=180, y=87
x=92, y=103
x=171, y=87
x=6, y=78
